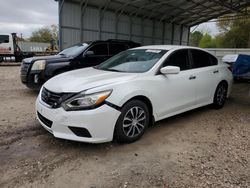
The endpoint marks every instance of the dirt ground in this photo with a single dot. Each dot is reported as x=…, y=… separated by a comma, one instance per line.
x=201, y=148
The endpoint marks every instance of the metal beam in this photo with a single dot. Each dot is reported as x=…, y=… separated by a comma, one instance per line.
x=227, y=6
x=217, y=15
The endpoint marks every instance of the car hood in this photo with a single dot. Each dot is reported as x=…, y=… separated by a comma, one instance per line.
x=83, y=79
x=47, y=58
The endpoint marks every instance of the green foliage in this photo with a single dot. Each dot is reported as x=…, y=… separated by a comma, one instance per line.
x=45, y=34
x=207, y=41
x=235, y=33
x=195, y=38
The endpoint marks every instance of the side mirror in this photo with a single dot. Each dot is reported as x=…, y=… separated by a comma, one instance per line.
x=170, y=70
x=89, y=53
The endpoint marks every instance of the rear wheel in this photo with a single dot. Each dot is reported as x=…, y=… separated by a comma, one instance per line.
x=132, y=122
x=220, y=95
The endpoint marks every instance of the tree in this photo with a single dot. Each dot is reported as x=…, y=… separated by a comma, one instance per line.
x=45, y=34
x=235, y=33
x=195, y=38
x=207, y=41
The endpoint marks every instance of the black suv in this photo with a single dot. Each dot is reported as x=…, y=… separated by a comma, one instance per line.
x=35, y=71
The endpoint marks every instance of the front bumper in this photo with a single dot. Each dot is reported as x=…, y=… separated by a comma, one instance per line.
x=99, y=122
x=32, y=79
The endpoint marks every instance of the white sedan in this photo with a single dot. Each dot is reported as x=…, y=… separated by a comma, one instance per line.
x=119, y=98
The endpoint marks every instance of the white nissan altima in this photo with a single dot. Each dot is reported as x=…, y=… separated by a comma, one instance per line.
x=119, y=98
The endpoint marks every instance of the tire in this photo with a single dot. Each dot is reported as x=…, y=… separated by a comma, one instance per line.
x=18, y=58
x=128, y=129
x=220, y=95
x=1, y=59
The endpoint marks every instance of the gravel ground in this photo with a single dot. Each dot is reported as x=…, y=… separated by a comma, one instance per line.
x=201, y=148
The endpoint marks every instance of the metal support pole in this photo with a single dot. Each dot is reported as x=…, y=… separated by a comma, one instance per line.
x=142, y=31
x=163, y=32
x=188, y=42
x=83, y=8
x=153, y=33
x=130, y=27
x=101, y=15
x=172, y=35
x=100, y=24
x=60, y=6
x=116, y=26
x=181, y=33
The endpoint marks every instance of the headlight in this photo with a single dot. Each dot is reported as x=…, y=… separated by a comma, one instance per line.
x=39, y=65
x=86, y=101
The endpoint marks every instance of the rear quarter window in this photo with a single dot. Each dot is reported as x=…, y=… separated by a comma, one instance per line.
x=202, y=59
x=214, y=60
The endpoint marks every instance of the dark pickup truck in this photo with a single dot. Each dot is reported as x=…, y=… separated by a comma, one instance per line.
x=37, y=70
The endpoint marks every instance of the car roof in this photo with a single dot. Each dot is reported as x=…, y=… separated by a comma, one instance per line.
x=167, y=47
x=112, y=41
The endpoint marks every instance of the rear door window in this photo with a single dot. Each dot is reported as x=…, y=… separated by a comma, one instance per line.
x=100, y=49
x=202, y=59
x=179, y=58
x=116, y=48
x=4, y=38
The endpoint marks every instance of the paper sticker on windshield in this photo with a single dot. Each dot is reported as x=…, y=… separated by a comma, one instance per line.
x=154, y=51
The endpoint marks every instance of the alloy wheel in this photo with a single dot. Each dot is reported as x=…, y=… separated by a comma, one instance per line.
x=221, y=95
x=134, y=121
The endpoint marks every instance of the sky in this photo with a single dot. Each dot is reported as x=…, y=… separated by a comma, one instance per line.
x=25, y=16
x=208, y=27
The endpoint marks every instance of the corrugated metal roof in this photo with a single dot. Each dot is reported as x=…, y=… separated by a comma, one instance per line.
x=185, y=12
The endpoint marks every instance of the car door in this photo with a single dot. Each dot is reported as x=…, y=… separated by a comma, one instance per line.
x=207, y=75
x=176, y=91
x=95, y=55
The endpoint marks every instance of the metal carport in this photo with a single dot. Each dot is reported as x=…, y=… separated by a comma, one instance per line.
x=144, y=21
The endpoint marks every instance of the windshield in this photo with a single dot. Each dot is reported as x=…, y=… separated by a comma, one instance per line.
x=135, y=61
x=74, y=50
x=4, y=38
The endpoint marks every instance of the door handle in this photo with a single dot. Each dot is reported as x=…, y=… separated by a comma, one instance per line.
x=216, y=71
x=192, y=77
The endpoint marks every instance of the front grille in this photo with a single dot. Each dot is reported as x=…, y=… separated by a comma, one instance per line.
x=53, y=99
x=43, y=119
x=25, y=68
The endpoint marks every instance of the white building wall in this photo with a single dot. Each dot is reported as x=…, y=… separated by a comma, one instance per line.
x=220, y=52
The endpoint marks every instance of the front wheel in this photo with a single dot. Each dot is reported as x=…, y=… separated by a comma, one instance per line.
x=132, y=122
x=220, y=96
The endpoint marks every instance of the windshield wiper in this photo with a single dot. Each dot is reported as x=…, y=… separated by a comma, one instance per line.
x=114, y=70
x=62, y=54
